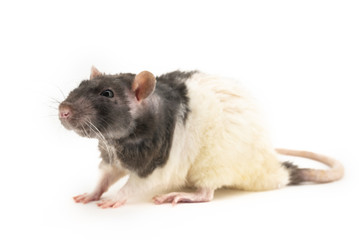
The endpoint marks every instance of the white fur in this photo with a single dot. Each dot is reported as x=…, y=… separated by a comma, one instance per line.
x=235, y=147
x=222, y=144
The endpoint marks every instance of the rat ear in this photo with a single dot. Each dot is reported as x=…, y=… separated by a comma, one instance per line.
x=94, y=73
x=143, y=85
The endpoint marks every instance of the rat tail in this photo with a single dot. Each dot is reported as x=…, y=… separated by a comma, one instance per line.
x=299, y=175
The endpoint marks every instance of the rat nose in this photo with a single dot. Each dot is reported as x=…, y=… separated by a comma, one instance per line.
x=65, y=111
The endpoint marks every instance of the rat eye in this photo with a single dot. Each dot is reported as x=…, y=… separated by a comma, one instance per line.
x=107, y=93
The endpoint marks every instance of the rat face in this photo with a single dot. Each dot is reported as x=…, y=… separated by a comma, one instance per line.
x=100, y=107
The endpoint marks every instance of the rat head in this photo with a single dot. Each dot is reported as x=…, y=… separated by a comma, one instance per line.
x=103, y=106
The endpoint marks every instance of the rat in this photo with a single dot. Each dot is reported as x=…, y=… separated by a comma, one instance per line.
x=180, y=129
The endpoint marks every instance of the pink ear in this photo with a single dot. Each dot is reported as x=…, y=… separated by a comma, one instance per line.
x=94, y=73
x=143, y=85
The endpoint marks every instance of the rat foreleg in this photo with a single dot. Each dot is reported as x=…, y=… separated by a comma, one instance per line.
x=109, y=175
x=134, y=186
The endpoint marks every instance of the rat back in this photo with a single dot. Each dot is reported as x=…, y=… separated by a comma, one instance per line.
x=235, y=148
x=223, y=142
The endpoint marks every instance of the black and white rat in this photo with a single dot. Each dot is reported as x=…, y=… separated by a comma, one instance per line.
x=179, y=129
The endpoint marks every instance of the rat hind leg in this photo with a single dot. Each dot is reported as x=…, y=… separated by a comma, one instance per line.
x=201, y=195
x=203, y=177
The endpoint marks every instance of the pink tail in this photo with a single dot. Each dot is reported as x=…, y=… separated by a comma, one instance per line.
x=335, y=172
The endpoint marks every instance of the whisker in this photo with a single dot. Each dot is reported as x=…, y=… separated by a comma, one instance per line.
x=54, y=100
x=53, y=107
x=101, y=138
x=62, y=93
x=84, y=131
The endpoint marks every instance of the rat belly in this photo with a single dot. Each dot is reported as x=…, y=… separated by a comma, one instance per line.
x=234, y=148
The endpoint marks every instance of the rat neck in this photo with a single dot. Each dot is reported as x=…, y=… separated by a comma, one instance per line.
x=148, y=145
x=148, y=118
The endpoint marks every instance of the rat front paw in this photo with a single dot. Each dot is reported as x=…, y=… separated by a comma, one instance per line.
x=86, y=198
x=111, y=203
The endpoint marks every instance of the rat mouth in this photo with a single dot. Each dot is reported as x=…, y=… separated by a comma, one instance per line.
x=84, y=128
x=85, y=132
x=80, y=121
x=74, y=119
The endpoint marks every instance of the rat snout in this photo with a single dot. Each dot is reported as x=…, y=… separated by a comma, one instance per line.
x=65, y=111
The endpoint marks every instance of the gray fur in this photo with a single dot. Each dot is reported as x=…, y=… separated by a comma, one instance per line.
x=141, y=143
x=295, y=176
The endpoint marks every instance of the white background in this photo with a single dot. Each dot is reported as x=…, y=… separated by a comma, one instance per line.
x=299, y=58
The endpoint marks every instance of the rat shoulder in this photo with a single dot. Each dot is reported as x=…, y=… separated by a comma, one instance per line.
x=176, y=77
x=173, y=85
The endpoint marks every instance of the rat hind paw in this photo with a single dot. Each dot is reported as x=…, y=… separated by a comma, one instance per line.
x=86, y=198
x=203, y=195
x=109, y=203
